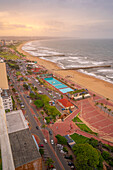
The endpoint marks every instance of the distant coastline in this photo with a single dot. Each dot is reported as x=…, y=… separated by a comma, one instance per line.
x=96, y=85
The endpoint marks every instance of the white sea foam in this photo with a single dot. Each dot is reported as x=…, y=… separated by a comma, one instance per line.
x=106, y=70
x=97, y=62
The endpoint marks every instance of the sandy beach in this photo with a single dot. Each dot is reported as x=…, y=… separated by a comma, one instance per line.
x=93, y=84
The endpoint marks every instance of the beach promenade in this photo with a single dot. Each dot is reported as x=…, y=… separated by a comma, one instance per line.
x=91, y=115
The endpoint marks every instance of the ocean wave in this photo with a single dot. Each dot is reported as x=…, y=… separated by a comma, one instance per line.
x=97, y=62
x=106, y=70
x=96, y=76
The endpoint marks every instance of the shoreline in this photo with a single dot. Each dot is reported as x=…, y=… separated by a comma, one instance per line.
x=93, y=84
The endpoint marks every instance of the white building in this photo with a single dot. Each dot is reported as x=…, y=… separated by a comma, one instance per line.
x=7, y=101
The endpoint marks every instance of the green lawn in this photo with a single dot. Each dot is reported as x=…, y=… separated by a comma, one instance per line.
x=82, y=126
x=8, y=56
x=76, y=119
x=79, y=139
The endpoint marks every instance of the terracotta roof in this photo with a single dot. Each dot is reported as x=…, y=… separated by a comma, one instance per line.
x=65, y=102
x=36, y=69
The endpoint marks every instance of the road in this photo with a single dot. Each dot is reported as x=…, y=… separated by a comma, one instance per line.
x=52, y=151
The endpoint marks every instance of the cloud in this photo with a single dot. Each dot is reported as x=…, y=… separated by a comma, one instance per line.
x=6, y=25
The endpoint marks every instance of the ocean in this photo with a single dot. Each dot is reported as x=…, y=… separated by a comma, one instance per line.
x=77, y=53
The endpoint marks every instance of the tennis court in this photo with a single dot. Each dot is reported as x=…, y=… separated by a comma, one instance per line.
x=58, y=85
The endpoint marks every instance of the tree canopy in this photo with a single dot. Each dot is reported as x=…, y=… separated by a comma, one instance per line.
x=87, y=157
x=61, y=139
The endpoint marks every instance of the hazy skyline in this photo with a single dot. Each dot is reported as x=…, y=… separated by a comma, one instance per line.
x=70, y=18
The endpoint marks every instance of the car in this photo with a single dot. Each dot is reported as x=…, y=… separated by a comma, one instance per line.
x=22, y=106
x=59, y=145
x=66, y=157
x=37, y=127
x=50, y=132
x=45, y=140
x=41, y=145
x=70, y=163
x=61, y=151
x=52, y=142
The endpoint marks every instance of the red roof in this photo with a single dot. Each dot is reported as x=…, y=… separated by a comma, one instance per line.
x=36, y=69
x=65, y=102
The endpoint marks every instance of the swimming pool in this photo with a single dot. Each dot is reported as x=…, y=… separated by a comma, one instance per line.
x=60, y=86
x=57, y=84
x=65, y=90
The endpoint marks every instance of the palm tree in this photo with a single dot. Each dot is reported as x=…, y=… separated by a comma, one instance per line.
x=107, y=101
x=93, y=96
x=101, y=105
x=109, y=111
x=96, y=103
x=49, y=162
x=105, y=108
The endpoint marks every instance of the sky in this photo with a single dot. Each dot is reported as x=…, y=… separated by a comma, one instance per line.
x=62, y=18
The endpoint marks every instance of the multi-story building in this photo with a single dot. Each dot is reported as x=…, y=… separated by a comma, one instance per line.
x=24, y=149
x=7, y=101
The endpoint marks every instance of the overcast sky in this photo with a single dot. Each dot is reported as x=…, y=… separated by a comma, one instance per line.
x=69, y=18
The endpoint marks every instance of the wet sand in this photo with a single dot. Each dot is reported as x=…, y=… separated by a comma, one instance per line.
x=98, y=86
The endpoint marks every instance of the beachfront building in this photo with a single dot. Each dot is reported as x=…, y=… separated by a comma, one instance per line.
x=64, y=103
x=79, y=94
x=6, y=153
x=7, y=101
x=23, y=145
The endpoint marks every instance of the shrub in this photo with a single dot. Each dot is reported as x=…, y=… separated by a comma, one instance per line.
x=61, y=139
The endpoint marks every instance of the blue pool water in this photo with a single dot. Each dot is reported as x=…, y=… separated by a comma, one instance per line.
x=57, y=84
x=60, y=86
x=66, y=90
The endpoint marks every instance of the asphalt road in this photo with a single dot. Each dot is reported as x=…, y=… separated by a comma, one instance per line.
x=52, y=151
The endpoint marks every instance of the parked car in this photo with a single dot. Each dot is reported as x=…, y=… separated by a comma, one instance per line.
x=66, y=157
x=59, y=145
x=37, y=127
x=50, y=132
x=61, y=151
x=52, y=142
x=41, y=145
x=45, y=140
x=70, y=163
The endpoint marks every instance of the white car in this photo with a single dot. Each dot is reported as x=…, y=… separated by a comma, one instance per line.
x=45, y=140
x=52, y=142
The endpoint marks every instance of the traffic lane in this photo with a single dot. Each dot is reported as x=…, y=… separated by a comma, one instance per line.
x=32, y=121
x=41, y=136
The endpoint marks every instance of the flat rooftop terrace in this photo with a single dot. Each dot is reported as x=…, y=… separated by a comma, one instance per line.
x=23, y=147
x=15, y=121
x=3, y=76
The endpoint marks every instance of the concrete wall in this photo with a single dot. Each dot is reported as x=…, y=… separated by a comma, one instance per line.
x=6, y=153
x=34, y=165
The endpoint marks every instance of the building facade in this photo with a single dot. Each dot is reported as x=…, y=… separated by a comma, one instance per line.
x=7, y=101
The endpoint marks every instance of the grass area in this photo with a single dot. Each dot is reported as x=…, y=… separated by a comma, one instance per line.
x=79, y=138
x=76, y=119
x=83, y=126
x=18, y=73
x=77, y=91
x=8, y=56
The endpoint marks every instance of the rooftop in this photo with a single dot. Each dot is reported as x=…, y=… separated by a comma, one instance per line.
x=65, y=102
x=5, y=93
x=23, y=147
x=3, y=77
x=16, y=121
